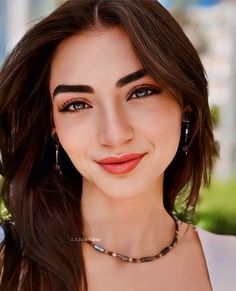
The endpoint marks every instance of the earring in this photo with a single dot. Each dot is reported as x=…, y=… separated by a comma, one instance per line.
x=186, y=121
x=57, y=166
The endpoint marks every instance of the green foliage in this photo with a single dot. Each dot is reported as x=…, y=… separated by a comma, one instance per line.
x=181, y=211
x=3, y=211
x=4, y=215
x=215, y=114
x=217, y=208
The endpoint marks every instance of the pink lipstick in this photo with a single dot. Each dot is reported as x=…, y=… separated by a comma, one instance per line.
x=120, y=164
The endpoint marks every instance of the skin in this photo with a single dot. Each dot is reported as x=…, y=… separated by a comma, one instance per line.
x=124, y=212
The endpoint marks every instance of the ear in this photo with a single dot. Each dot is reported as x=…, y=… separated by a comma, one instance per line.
x=53, y=131
x=53, y=128
x=55, y=137
x=187, y=108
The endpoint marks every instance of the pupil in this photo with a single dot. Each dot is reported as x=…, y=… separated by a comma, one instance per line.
x=77, y=106
x=142, y=92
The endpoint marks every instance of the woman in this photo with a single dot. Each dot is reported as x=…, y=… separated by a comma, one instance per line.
x=104, y=122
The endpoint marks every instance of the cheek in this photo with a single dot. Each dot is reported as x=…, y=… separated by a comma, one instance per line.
x=161, y=123
x=165, y=137
x=74, y=146
x=75, y=136
x=163, y=133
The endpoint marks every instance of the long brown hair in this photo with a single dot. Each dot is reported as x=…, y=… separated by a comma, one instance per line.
x=37, y=252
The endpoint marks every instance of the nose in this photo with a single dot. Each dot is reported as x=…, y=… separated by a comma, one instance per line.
x=115, y=128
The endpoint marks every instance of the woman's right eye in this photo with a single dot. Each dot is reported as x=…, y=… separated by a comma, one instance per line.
x=73, y=106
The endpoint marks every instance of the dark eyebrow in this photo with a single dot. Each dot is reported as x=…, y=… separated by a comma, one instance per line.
x=72, y=88
x=130, y=78
x=87, y=89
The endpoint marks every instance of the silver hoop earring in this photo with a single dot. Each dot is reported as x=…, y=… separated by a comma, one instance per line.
x=186, y=121
x=57, y=166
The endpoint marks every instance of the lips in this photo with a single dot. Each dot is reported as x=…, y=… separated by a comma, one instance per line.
x=120, y=159
x=121, y=164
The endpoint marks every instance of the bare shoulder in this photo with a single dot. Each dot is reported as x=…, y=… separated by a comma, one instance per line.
x=190, y=242
x=190, y=255
x=187, y=234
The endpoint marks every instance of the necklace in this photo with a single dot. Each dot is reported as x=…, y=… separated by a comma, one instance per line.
x=125, y=258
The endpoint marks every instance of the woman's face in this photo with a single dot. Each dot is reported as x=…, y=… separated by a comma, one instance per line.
x=106, y=117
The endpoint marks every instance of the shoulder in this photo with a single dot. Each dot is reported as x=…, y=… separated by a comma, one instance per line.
x=220, y=255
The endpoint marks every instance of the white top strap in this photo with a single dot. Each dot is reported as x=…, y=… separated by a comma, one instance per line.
x=220, y=255
x=1, y=234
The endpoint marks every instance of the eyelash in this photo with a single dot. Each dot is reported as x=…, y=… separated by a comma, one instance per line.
x=154, y=90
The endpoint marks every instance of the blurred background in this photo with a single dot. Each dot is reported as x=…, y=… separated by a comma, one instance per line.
x=211, y=26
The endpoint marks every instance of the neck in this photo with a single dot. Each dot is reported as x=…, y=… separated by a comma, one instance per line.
x=137, y=226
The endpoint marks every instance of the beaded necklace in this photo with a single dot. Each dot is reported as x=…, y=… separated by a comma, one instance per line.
x=125, y=258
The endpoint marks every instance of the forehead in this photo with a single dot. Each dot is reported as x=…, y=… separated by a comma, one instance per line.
x=94, y=56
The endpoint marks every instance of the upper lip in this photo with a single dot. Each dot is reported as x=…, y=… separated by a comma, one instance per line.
x=120, y=159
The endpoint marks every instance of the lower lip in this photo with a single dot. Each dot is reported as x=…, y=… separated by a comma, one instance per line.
x=121, y=168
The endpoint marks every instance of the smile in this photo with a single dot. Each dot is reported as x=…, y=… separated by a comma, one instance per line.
x=121, y=165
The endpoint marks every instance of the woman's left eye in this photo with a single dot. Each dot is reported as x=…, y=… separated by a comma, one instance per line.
x=144, y=92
